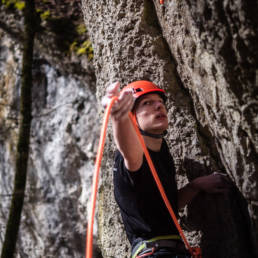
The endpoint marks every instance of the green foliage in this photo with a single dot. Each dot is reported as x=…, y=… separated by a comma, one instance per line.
x=81, y=29
x=20, y=5
x=83, y=49
x=67, y=33
x=74, y=46
x=45, y=15
x=17, y=4
x=7, y=3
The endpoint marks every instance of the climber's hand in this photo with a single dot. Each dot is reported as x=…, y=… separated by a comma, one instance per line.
x=111, y=91
x=123, y=105
x=216, y=182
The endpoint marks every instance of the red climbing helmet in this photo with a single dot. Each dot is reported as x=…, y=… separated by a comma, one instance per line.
x=144, y=87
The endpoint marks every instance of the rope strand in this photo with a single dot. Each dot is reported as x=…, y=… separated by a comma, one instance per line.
x=89, y=240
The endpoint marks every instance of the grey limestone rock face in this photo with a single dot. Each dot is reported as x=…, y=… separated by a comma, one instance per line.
x=204, y=54
x=64, y=135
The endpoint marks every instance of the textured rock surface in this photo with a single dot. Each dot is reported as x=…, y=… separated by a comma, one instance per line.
x=63, y=146
x=215, y=46
x=205, y=55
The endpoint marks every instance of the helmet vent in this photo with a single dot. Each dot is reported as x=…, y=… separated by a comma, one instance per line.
x=138, y=90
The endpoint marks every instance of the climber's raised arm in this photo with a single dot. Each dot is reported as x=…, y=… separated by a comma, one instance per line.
x=123, y=131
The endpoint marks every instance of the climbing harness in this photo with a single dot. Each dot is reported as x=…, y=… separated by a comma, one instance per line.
x=167, y=241
x=194, y=251
x=147, y=253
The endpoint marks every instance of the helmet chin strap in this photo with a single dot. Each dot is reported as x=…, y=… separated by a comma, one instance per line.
x=156, y=136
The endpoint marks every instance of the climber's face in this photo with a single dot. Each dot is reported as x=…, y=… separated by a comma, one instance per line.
x=151, y=114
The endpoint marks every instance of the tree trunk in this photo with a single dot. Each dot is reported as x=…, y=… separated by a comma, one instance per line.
x=204, y=55
x=13, y=222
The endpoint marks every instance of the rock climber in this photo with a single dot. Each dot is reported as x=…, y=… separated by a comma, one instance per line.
x=145, y=217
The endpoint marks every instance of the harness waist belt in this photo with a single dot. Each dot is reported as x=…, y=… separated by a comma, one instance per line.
x=169, y=241
x=174, y=244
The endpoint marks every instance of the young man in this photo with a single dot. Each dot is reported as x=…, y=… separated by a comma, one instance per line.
x=147, y=221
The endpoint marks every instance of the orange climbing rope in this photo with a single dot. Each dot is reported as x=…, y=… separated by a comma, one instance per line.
x=95, y=180
x=195, y=251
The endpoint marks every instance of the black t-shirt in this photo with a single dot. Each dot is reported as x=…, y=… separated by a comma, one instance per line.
x=142, y=208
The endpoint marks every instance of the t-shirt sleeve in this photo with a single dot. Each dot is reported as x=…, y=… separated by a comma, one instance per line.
x=126, y=175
